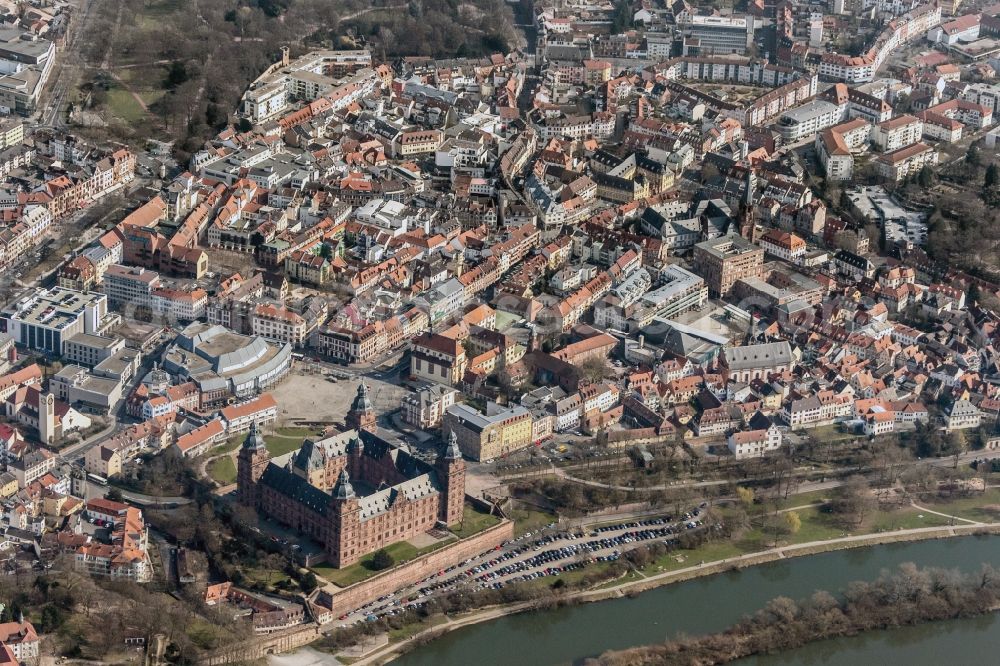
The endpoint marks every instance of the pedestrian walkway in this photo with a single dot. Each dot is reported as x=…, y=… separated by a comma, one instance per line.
x=945, y=515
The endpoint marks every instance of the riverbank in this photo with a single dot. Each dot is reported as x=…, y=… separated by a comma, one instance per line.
x=909, y=597
x=632, y=587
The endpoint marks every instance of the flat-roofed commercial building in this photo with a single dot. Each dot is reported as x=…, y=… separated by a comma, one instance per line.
x=45, y=319
x=718, y=35
x=25, y=64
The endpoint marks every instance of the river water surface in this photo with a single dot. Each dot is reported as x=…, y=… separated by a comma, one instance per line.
x=568, y=635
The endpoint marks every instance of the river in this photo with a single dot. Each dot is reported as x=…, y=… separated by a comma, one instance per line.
x=567, y=635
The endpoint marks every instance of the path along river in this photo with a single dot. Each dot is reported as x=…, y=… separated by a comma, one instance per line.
x=568, y=635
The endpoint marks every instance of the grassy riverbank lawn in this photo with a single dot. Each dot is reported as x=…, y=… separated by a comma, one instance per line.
x=817, y=525
x=981, y=507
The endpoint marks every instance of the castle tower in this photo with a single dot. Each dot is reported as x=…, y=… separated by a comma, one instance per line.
x=345, y=524
x=362, y=414
x=310, y=463
x=250, y=465
x=451, y=467
x=355, y=452
x=46, y=418
x=285, y=56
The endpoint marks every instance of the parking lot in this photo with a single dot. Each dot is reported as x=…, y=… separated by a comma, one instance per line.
x=532, y=556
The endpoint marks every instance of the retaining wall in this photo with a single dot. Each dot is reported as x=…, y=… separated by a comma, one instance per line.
x=359, y=594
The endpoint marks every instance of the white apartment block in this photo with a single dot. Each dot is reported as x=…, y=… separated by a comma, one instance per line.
x=984, y=94
x=897, y=133
x=808, y=119
x=754, y=443
x=340, y=76
x=899, y=164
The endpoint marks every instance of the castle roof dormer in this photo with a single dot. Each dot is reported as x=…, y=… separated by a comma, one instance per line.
x=343, y=490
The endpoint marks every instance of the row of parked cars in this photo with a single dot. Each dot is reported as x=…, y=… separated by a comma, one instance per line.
x=498, y=566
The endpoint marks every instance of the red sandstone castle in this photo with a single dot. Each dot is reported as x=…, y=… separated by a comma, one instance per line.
x=353, y=491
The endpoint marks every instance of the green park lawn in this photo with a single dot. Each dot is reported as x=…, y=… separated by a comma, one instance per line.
x=474, y=521
x=124, y=105
x=401, y=551
x=223, y=470
x=530, y=520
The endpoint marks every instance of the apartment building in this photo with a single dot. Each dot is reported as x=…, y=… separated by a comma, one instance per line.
x=723, y=261
x=853, y=265
x=754, y=443
x=836, y=146
x=983, y=94
x=835, y=155
x=878, y=422
x=426, y=407
x=899, y=164
x=22, y=639
x=500, y=431
x=419, y=142
x=940, y=127
x=307, y=267
x=126, y=557
x=897, y=133
x=962, y=29
x=339, y=76
x=783, y=245
x=808, y=119
x=129, y=288
x=967, y=112
x=679, y=290
x=125, y=285
x=439, y=359
x=278, y=324
x=962, y=414
x=260, y=411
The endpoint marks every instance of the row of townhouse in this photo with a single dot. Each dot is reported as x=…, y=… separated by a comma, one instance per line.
x=822, y=408
x=66, y=194
x=862, y=68
x=364, y=344
x=568, y=311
